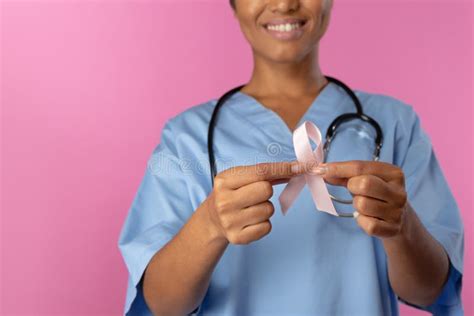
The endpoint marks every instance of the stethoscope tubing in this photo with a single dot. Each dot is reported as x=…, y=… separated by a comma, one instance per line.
x=330, y=134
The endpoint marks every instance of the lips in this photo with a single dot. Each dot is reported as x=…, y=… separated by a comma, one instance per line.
x=281, y=21
x=288, y=29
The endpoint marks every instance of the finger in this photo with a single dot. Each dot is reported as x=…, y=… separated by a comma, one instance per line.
x=376, y=208
x=254, y=232
x=237, y=177
x=371, y=186
x=255, y=214
x=352, y=168
x=376, y=227
x=279, y=181
x=253, y=193
x=336, y=181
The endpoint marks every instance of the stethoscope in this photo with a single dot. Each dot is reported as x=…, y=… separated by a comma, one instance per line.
x=330, y=134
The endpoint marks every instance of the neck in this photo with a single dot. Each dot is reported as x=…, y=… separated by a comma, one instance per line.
x=291, y=80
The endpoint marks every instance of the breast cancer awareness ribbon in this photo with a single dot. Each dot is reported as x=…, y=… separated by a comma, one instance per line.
x=316, y=184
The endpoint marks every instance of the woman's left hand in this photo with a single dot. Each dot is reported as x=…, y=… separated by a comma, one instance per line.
x=378, y=190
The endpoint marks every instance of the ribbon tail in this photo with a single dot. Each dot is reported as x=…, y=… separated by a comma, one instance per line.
x=290, y=193
x=320, y=194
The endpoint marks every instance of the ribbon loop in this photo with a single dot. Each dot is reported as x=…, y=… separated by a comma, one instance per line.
x=305, y=154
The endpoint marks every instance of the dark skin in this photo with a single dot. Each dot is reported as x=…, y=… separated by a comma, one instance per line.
x=417, y=264
x=286, y=78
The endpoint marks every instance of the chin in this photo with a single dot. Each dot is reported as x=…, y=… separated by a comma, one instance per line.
x=286, y=57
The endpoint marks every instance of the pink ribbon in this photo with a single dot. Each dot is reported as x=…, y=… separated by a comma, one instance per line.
x=316, y=184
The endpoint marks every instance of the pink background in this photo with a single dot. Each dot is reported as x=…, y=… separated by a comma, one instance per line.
x=87, y=86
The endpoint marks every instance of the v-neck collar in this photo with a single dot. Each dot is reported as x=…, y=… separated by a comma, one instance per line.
x=268, y=121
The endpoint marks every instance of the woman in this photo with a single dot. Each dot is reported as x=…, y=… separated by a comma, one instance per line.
x=227, y=250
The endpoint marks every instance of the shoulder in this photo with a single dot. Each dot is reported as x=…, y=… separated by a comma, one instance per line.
x=390, y=112
x=196, y=117
x=382, y=104
x=185, y=134
x=399, y=121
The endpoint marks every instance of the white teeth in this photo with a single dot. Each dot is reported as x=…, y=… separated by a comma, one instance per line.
x=288, y=27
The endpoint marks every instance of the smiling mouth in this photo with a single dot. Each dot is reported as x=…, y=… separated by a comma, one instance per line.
x=285, y=27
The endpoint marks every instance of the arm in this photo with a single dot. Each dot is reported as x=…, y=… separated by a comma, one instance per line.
x=417, y=264
x=237, y=211
x=178, y=275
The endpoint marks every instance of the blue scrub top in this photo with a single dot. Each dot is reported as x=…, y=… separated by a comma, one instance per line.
x=311, y=263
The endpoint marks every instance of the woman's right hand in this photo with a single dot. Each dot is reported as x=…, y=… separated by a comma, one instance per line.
x=239, y=207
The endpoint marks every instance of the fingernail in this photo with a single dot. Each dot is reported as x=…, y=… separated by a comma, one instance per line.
x=355, y=214
x=296, y=168
x=319, y=170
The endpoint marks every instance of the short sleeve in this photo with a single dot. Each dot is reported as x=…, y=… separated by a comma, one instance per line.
x=160, y=208
x=433, y=201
